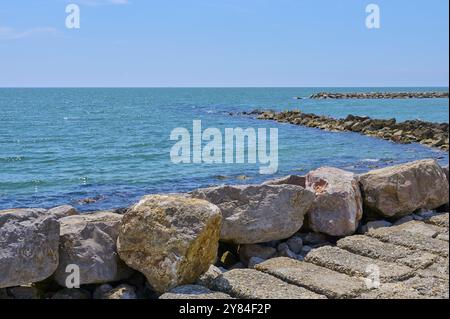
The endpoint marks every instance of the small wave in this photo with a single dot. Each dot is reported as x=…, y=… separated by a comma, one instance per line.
x=371, y=160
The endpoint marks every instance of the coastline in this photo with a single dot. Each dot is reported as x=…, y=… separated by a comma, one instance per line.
x=281, y=235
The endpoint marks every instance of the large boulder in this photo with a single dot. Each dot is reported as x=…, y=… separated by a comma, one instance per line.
x=259, y=213
x=62, y=211
x=89, y=241
x=398, y=191
x=29, y=241
x=171, y=239
x=337, y=208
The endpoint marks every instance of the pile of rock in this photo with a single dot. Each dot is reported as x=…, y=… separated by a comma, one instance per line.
x=381, y=95
x=164, y=245
x=411, y=131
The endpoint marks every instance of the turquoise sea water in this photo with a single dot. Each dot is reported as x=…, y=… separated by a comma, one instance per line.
x=58, y=146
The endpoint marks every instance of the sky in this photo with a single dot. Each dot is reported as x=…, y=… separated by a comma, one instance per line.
x=224, y=43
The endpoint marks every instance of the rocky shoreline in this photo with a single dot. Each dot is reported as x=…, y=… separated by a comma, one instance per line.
x=297, y=237
x=412, y=131
x=381, y=95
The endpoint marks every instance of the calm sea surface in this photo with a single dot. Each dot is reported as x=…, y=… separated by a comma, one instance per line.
x=59, y=146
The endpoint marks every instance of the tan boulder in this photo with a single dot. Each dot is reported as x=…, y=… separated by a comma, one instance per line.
x=337, y=208
x=171, y=239
x=400, y=190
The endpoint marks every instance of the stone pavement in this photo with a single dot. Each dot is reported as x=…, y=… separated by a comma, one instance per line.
x=407, y=261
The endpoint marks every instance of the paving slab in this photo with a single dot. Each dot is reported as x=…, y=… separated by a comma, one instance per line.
x=421, y=228
x=410, y=240
x=253, y=284
x=351, y=264
x=194, y=292
x=438, y=220
x=315, y=278
x=376, y=249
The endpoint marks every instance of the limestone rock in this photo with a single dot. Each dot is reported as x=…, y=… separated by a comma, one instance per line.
x=337, y=208
x=246, y=252
x=28, y=246
x=62, y=211
x=259, y=213
x=207, y=278
x=89, y=241
x=121, y=292
x=171, y=239
x=400, y=190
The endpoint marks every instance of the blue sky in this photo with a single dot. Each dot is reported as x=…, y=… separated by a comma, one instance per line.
x=220, y=43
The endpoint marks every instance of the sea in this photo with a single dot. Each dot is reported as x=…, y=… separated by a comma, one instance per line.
x=104, y=148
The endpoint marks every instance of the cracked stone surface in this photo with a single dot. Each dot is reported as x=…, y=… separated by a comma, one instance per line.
x=412, y=260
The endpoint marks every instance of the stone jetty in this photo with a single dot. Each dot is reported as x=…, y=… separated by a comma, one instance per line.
x=380, y=95
x=328, y=235
x=411, y=131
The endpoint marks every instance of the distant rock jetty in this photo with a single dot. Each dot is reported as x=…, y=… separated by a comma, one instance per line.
x=412, y=131
x=380, y=95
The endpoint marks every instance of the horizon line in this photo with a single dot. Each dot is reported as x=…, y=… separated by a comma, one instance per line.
x=217, y=87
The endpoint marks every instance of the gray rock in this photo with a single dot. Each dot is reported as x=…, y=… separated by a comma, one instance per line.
x=246, y=252
x=288, y=180
x=207, y=278
x=101, y=290
x=62, y=211
x=377, y=224
x=295, y=244
x=284, y=251
x=238, y=265
x=403, y=220
x=67, y=293
x=400, y=190
x=29, y=241
x=259, y=213
x=255, y=261
x=24, y=292
x=313, y=238
x=337, y=209
x=305, y=250
x=89, y=241
x=445, y=169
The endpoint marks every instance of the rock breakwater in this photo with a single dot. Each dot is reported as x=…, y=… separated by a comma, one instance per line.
x=411, y=131
x=380, y=95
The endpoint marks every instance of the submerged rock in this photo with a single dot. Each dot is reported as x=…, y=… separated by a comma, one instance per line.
x=337, y=208
x=400, y=190
x=259, y=213
x=172, y=239
x=29, y=241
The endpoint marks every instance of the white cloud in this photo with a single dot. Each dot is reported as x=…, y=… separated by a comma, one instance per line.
x=7, y=33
